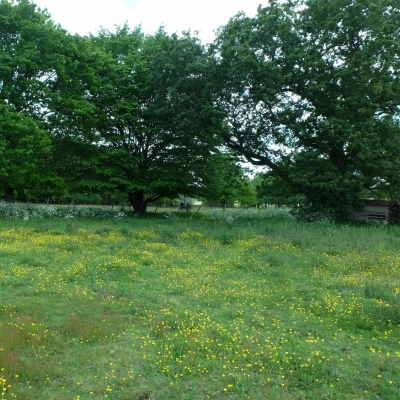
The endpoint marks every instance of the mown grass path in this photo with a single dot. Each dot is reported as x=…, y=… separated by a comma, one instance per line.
x=198, y=309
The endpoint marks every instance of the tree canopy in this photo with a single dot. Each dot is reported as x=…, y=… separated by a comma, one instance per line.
x=153, y=124
x=308, y=89
x=311, y=91
x=31, y=62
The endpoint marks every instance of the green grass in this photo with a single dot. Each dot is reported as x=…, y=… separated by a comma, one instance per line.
x=193, y=308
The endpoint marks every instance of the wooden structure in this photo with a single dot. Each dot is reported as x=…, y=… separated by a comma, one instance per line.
x=379, y=210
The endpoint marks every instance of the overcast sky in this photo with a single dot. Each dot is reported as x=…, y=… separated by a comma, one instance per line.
x=84, y=16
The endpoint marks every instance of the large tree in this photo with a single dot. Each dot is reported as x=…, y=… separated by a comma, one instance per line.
x=311, y=91
x=31, y=62
x=152, y=121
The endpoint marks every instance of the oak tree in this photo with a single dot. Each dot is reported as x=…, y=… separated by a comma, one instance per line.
x=311, y=91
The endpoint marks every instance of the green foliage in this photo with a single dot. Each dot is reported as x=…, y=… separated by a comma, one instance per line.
x=22, y=145
x=31, y=63
x=155, y=124
x=31, y=56
x=272, y=189
x=311, y=90
x=245, y=193
x=222, y=180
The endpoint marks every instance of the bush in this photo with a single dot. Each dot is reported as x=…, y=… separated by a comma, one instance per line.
x=28, y=211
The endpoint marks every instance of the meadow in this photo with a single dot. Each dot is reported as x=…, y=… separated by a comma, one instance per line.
x=239, y=305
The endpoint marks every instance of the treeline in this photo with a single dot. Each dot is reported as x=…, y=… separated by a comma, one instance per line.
x=308, y=89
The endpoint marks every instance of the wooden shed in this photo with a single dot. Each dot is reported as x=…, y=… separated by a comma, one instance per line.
x=379, y=210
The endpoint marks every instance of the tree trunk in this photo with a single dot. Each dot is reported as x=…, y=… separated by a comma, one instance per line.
x=9, y=195
x=138, y=203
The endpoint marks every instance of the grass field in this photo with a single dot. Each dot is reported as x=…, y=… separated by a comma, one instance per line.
x=196, y=306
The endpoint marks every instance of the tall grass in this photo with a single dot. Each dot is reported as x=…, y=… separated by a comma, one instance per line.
x=202, y=306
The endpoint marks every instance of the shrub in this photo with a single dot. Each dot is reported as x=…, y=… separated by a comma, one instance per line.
x=28, y=211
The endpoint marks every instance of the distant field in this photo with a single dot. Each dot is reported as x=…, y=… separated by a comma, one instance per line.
x=198, y=306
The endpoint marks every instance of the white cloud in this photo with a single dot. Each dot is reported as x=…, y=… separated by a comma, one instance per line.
x=179, y=15
x=84, y=16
